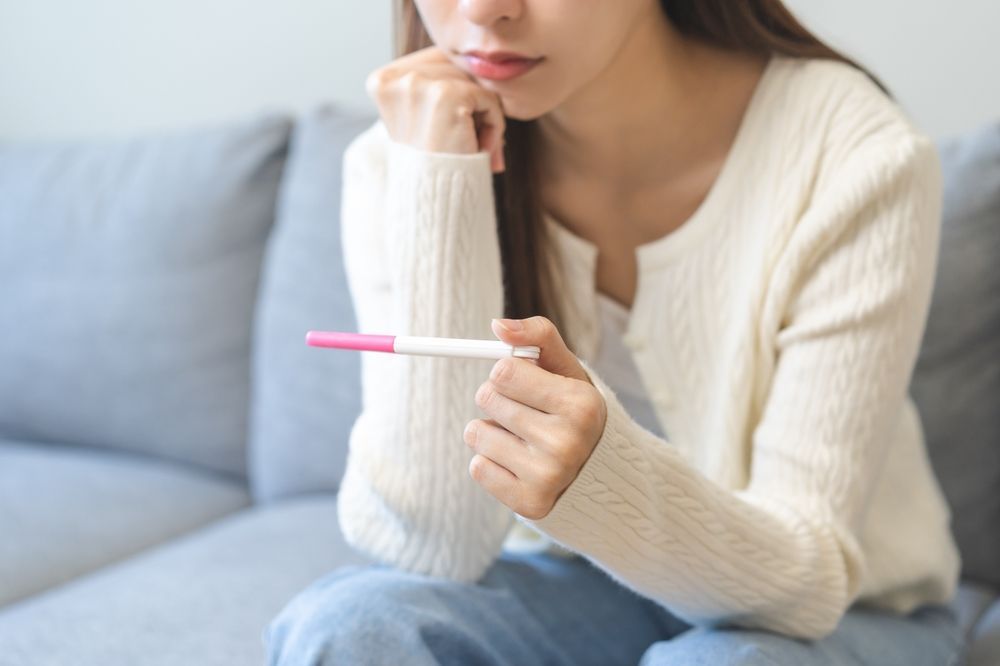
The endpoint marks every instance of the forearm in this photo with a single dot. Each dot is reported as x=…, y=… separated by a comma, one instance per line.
x=407, y=498
x=640, y=511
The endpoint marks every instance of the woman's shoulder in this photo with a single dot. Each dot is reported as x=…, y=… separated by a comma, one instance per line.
x=831, y=87
x=846, y=130
x=841, y=104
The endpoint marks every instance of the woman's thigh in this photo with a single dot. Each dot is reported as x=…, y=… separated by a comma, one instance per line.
x=928, y=637
x=527, y=609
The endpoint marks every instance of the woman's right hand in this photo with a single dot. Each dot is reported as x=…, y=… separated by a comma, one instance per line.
x=428, y=102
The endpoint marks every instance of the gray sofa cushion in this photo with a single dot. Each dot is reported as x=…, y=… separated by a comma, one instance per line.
x=957, y=380
x=128, y=274
x=985, y=648
x=67, y=510
x=305, y=400
x=204, y=599
x=970, y=603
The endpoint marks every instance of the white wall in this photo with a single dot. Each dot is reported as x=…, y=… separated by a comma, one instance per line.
x=99, y=67
x=940, y=59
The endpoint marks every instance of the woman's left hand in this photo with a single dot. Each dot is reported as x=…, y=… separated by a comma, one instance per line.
x=545, y=420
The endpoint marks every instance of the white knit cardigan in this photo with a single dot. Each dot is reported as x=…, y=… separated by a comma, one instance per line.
x=775, y=331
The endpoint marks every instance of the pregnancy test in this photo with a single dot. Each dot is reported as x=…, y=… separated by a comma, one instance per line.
x=422, y=346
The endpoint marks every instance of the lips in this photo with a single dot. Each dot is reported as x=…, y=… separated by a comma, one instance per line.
x=498, y=65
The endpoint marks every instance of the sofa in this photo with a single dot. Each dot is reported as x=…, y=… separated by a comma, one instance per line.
x=170, y=449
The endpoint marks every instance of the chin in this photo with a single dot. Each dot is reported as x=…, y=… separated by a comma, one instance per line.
x=520, y=109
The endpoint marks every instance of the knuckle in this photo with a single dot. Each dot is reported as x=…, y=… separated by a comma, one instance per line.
x=582, y=407
x=408, y=81
x=588, y=409
x=485, y=394
x=503, y=371
x=465, y=98
x=377, y=82
x=438, y=91
x=545, y=326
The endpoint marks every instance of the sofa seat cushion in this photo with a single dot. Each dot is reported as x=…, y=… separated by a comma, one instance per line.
x=985, y=640
x=204, y=599
x=970, y=604
x=66, y=510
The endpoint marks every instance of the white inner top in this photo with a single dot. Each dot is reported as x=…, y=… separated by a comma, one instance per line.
x=614, y=363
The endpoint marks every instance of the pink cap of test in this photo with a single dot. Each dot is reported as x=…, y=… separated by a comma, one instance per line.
x=356, y=341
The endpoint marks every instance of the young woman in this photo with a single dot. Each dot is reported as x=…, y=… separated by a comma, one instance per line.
x=722, y=235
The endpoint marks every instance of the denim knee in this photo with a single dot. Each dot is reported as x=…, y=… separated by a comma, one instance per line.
x=308, y=623
x=718, y=648
x=358, y=615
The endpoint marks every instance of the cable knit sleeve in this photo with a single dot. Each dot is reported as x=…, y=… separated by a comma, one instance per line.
x=783, y=553
x=422, y=258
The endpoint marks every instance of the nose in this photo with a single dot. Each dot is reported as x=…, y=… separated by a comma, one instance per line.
x=488, y=12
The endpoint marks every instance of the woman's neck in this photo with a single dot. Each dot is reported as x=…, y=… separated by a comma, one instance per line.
x=664, y=104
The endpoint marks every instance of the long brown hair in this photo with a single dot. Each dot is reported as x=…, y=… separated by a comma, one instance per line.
x=760, y=27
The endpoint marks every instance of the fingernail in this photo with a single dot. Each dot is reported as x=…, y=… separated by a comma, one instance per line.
x=511, y=324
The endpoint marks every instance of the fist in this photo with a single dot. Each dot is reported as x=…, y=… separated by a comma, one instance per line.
x=428, y=102
x=544, y=420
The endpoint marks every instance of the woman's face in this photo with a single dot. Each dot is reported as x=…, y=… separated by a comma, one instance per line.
x=572, y=42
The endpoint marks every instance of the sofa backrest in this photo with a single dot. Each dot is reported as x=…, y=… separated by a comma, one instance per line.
x=305, y=400
x=128, y=275
x=956, y=383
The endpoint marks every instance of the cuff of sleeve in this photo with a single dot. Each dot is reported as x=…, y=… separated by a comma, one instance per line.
x=406, y=155
x=438, y=190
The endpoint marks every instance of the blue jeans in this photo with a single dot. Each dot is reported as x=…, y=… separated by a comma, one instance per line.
x=544, y=609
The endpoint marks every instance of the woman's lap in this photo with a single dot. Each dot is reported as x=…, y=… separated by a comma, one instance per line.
x=525, y=610
x=543, y=609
